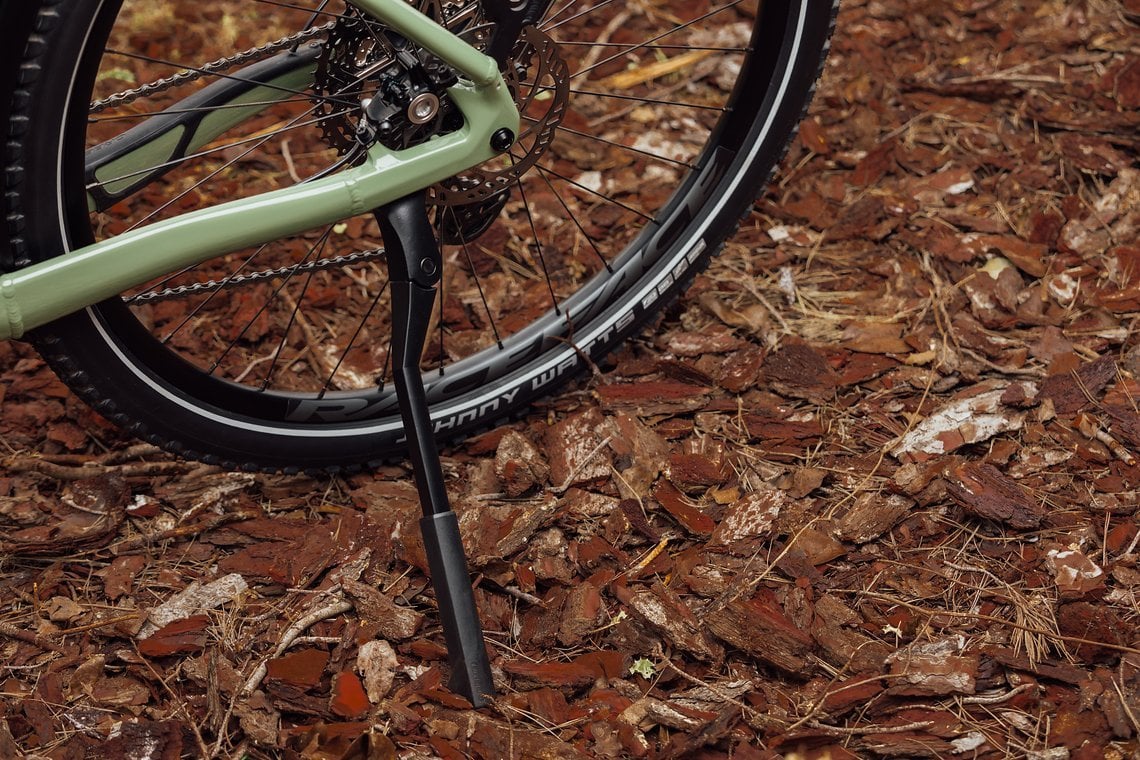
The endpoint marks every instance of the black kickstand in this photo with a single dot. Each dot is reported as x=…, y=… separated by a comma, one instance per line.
x=414, y=265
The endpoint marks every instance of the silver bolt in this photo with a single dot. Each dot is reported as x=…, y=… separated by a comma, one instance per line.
x=423, y=108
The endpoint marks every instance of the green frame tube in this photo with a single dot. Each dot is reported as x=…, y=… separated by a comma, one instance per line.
x=37, y=294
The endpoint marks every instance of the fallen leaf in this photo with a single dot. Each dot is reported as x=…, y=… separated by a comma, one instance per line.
x=119, y=576
x=874, y=337
x=120, y=692
x=61, y=609
x=86, y=675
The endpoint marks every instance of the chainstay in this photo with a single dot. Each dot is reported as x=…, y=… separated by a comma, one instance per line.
x=211, y=286
x=216, y=67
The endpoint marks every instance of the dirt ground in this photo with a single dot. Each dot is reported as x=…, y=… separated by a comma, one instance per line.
x=869, y=490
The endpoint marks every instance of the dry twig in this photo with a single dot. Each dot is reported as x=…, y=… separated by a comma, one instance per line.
x=292, y=633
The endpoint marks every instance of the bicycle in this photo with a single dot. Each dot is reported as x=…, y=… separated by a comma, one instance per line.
x=514, y=327
x=186, y=244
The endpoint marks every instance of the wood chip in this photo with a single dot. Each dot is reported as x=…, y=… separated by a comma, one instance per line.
x=394, y=622
x=664, y=611
x=983, y=490
x=972, y=419
x=933, y=668
x=759, y=627
x=1073, y=391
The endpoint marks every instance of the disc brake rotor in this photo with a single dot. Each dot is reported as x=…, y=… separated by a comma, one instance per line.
x=540, y=80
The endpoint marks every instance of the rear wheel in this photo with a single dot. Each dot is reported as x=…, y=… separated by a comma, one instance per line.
x=647, y=129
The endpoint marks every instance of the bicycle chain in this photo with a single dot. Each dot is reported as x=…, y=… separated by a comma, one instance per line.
x=221, y=65
x=211, y=286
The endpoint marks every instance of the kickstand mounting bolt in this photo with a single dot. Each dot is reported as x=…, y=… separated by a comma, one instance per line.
x=502, y=140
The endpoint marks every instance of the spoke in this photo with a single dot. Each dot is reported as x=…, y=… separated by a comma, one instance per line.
x=371, y=27
x=712, y=48
x=292, y=318
x=313, y=18
x=273, y=296
x=616, y=144
x=205, y=302
x=437, y=232
x=574, y=218
x=654, y=101
x=550, y=19
x=478, y=282
x=365, y=314
x=352, y=341
x=537, y=242
x=591, y=191
x=352, y=16
x=316, y=12
x=237, y=143
x=288, y=126
x=246, y=80
x=384, y=373
x=666, y=33
x=263, y=139
x=579, y=14
x=439, y=297
x=209, y=286
x=205, y=109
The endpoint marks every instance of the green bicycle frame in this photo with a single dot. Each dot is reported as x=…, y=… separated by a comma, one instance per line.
x=37, y=294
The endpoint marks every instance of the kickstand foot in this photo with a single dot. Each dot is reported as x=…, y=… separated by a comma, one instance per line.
x=414, y=265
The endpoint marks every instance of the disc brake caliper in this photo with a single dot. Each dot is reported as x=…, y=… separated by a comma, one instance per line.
x=402, y=90
x=410, y=103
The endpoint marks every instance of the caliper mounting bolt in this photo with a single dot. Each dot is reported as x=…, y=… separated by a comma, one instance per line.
x=502, y=140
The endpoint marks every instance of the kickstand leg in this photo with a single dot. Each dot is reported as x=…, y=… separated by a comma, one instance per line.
x=414, y=265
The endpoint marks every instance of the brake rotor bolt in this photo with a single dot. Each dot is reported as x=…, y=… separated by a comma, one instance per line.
x=502, y=140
